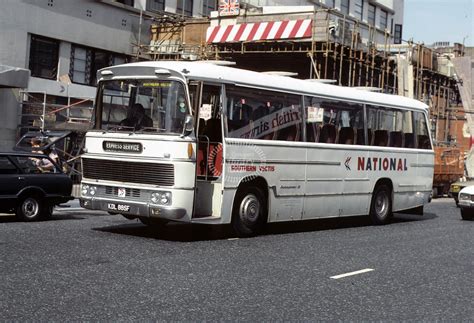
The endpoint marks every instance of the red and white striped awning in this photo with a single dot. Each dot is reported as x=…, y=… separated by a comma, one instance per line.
x=287, y=29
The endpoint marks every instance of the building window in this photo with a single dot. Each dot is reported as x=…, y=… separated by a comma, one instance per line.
x=85, y=62
x=44, y=55
x=207, y=7
x=80, y=65
x=359, y=9
x=155, y=5
x=185, y=7
x=383, y=19
x=345, y=6
x=398, y=34
x=331, y=3
x=371, y=17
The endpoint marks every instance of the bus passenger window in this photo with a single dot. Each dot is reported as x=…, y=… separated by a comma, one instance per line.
x=421, y=128
x=312, y=132
x=409, y=140
x=346, y=136
x=360, y=137
x=396, y=139
x=328, y=134
x=381, y=138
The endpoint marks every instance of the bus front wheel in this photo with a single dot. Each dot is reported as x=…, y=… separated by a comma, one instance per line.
x=381, y=205
x=249, y=212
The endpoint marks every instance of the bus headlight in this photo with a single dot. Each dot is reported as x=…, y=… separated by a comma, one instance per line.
x=162, y=198
x=92, y=190
x=85, y=189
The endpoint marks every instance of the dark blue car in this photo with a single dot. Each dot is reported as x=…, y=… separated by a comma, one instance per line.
x=31, y=184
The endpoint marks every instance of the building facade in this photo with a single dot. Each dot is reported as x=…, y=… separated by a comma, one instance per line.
x=62, y=44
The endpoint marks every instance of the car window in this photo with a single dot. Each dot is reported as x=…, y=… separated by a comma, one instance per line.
x=36, y=165
x=6, y=166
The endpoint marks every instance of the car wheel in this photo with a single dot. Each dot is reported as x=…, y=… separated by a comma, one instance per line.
x=381, y=205
x=30, y=209
x=466, y=214
x=249, y=212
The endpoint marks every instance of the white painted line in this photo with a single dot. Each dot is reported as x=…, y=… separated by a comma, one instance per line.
x=230, y=239
x=352, y=273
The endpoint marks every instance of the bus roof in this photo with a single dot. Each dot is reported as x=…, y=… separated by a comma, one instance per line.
x=217, y=73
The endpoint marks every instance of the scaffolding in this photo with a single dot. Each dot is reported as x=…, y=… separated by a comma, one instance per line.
x=38, y=114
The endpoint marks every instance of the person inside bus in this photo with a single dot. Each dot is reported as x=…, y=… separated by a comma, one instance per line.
x=137, y=118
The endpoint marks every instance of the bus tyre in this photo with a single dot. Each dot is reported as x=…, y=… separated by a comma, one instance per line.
x=467, y=214
x=30, y=209
x=249, y=211
x=381, y=205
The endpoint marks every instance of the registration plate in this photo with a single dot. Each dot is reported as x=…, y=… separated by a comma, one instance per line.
x=118, y=207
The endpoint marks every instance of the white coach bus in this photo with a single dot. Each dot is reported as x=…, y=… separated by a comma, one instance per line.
x=203, y=143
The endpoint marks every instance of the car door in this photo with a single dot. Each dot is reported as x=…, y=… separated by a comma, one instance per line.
x=9, y=181
x=37, y=171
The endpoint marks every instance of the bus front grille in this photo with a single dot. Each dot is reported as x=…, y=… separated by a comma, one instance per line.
x=131, y=172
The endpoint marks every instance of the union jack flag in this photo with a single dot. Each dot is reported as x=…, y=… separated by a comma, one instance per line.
x=229, y=7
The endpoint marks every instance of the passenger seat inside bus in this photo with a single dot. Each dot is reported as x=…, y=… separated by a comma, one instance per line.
x=328, y=134
x=346, y=136
x=381, y=138
x=312, y=132
x=396, y=139
x=409, y=140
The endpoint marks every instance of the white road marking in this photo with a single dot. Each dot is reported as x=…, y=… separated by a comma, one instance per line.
x=230, y=239
x=352, y=273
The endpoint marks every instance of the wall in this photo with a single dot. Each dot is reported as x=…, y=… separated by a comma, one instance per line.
x=10, y=118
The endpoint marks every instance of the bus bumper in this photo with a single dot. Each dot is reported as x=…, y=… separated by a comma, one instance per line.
x=134, y=208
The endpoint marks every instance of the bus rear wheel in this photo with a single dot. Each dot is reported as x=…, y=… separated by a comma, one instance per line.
x=381, y=205
x=249, y=212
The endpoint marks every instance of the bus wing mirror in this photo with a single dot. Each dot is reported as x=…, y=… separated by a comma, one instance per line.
x=188, y=125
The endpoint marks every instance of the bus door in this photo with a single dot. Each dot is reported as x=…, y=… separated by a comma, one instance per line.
x=209, y=151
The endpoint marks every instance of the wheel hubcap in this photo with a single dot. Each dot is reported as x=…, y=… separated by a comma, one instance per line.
x=381, y=204
x=249, y=208
x=30, y=207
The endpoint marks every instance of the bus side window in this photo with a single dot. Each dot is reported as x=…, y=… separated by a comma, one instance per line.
x=346, y=136
x=409, y=140
x=360, y=136
x=422, y=134
x=381, y=138
x=312, y=132
x=396, y=139
x=328, y=134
